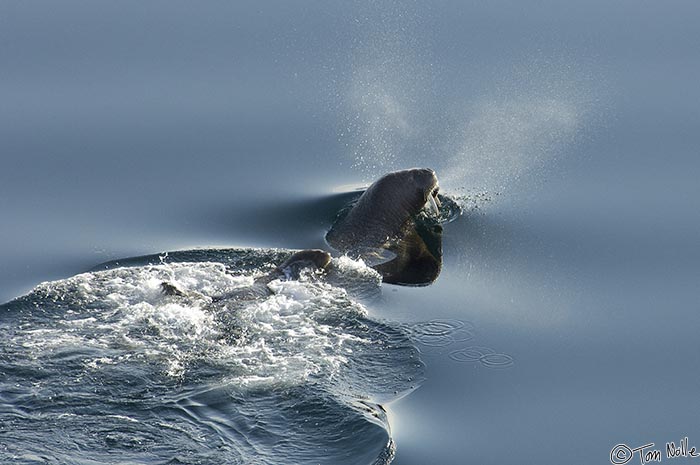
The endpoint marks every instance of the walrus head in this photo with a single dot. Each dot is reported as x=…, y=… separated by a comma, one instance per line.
x=385, y=208
x=384, y=219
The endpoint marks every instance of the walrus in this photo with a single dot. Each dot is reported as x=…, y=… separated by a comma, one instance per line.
x=396, y=224
x=224, y=307
x=291, y=268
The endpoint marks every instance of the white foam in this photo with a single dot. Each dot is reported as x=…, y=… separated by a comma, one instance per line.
x=283, y=338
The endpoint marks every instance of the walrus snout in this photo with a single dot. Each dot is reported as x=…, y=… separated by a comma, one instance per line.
x=424, y=178
x=432, y=204
x=426, y=183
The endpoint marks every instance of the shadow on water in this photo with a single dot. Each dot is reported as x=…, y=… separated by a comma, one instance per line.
x=413, y=257
x=282, y=222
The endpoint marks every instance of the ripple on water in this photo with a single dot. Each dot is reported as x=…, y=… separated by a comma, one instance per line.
x=441, y=332
x=444, y=333
x=487, y=356
x=107, y=368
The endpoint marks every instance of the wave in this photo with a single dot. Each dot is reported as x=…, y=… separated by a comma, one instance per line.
x=106, y=367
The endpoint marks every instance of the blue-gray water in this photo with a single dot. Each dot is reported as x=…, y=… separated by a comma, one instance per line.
x=134, y=128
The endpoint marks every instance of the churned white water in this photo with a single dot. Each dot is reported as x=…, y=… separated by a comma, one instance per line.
x=120, y=333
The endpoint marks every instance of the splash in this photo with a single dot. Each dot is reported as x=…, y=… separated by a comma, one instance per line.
x=388, y=87
x=107, y=366
x=381, y=124
x=509, y=140
x=505, y=141
x=503, y=133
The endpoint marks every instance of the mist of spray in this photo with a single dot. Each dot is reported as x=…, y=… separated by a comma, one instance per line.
x=497, y=136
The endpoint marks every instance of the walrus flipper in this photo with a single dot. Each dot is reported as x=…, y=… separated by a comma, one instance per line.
x=418, y=259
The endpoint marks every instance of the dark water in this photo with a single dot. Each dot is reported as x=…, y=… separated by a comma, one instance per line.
x=565, y=319
x=105, y=367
